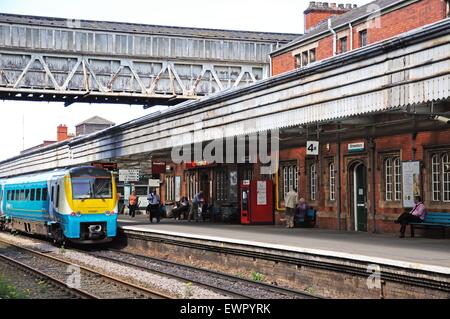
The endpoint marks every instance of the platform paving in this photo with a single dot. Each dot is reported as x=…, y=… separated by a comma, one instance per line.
x=419, y=253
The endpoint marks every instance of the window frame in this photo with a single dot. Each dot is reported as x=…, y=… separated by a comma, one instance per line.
x=288, y=177
x=312, y=170
x=332, y=182
x=170, y=188
x=363, y=38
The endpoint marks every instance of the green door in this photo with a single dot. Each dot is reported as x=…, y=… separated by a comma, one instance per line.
x=360, y=198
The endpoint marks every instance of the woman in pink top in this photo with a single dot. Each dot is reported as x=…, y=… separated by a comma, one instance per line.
x=416, y=215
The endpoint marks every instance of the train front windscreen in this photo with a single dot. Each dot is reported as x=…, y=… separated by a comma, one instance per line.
x=91, y=183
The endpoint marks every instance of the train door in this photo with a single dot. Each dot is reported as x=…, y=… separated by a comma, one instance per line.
x=53, y=198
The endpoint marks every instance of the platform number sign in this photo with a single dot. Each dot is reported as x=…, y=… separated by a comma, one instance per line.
x=312, y=148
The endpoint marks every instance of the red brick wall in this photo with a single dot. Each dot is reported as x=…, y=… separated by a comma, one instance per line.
x=421, y=13
x=391, y=24
x=386, y=212
x=313, y=18
x=283, y=63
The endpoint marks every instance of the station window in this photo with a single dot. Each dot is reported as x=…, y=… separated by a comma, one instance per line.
x=288, y=178
x=440, y=176
x=343, y=44
x=170, y=188
x=312, y=55
x=312, y=181
x=191, y=184
x=221, y=184
x=392, y=179
x=305, y=58
x=363, y=38
x=298, y=60
x=332, y=177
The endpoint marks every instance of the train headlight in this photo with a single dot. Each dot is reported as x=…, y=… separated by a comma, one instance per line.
x=77, y=214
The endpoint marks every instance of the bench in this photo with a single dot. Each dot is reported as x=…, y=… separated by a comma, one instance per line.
x=433, y=220
x=309, y=220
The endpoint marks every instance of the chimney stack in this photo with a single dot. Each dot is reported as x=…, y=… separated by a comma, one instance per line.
x=321, y=11
x=62, y=133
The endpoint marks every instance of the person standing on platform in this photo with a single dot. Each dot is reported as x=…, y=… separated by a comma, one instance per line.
x=153, y=206
x=291, y=200
x=195, y=205
x=132, y=204
x=416, y=215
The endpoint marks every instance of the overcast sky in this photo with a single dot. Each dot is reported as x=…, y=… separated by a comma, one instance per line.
x=41, y=118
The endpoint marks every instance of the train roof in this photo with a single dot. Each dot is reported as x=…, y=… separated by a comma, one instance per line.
x=40, y=177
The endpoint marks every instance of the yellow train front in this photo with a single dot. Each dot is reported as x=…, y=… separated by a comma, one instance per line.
x=77, y=204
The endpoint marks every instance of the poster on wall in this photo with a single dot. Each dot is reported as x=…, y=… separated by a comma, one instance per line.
x=411, y=182
x=261, y=193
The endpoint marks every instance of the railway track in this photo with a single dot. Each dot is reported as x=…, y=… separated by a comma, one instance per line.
x=92, y=284
x=229, y=285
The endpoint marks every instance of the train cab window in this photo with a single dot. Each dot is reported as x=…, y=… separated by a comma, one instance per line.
x=44, y=194
x=32, y=194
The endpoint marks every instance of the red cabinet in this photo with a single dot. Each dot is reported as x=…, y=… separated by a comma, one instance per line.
x=257, y=202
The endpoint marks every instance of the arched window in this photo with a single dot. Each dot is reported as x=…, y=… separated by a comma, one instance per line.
x=313, y=181
x=288, y=179
x=435, y=178
x=445, y=177
x=388, y=178
x=397, y=179
x=332, y=176
x=392, y=178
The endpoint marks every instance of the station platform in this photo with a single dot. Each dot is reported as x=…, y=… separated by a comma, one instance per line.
x=412, y=253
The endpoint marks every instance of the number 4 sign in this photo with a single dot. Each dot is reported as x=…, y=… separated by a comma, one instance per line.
x=312, y=148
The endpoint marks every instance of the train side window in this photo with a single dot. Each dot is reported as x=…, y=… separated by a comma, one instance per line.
x=12, y=195
x=27, y=194
x=38, y=194
x=57, y=196
x=16, y=195
x=8, y=194
x=52, y=194
x=44, y=194
x=22, y=194
x=32, y=194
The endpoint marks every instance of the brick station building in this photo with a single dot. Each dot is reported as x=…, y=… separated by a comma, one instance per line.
x=370, y=168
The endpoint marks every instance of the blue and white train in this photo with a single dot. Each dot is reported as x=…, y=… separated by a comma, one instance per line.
x=76, y=204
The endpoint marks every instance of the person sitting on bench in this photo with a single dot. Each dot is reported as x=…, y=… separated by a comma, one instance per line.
x=416, y=215
x=182, y=208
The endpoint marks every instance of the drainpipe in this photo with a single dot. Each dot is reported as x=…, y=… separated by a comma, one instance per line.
x=351, y=36
x=372, y=166
x=334, y=36
x=338, y=168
